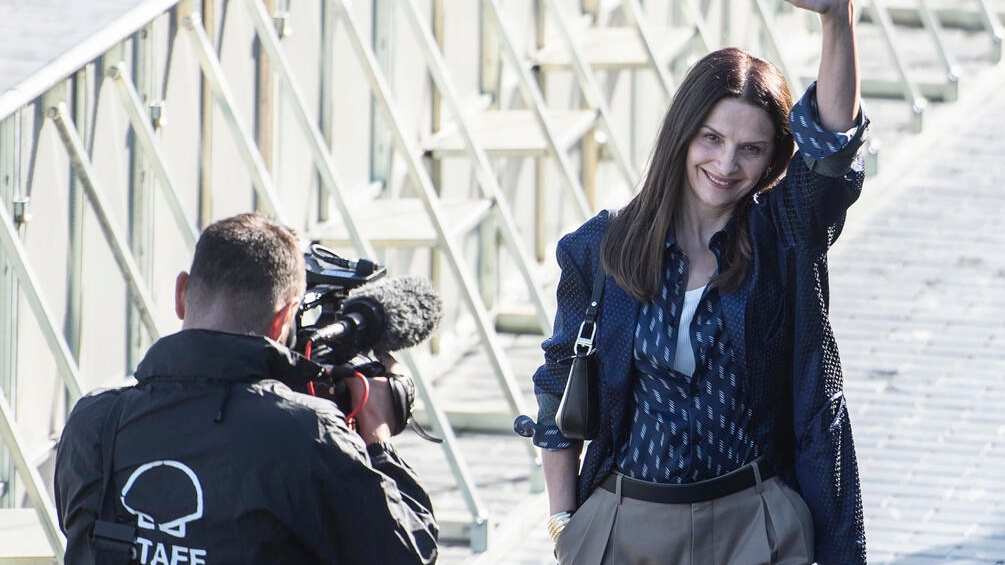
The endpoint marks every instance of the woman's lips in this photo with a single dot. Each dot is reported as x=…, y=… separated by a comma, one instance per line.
x=719, y=182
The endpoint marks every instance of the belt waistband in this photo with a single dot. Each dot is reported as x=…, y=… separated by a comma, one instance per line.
x=689, y=493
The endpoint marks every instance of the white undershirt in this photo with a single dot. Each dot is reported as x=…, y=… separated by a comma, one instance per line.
x=683, y=361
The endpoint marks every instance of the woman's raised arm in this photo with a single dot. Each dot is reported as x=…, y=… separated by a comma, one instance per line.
x=838, y=89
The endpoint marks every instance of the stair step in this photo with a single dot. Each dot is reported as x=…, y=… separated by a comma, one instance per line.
x=402, y=222
x=22, y=539
x=513, y=133
x=614, y=48
x=951, y=14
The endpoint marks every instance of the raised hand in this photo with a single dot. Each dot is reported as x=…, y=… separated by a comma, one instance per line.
x=837, y=80
x=824, y=7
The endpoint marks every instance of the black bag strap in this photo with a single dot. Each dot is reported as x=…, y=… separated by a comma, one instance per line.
x=112, y=540
x=588, y=329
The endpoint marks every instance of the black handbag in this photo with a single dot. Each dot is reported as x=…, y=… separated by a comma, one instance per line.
x=578, y=415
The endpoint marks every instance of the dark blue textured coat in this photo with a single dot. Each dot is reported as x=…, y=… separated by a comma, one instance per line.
x=778, y=317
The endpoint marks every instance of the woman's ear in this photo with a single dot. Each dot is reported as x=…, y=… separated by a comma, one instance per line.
x=180, y=286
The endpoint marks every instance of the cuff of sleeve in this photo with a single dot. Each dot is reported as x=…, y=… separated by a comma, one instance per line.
x=827, y=153
x=546, y=434
x=381, y=451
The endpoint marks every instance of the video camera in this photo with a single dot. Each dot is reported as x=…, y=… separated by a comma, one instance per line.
x=330, y=277
x=349, y=315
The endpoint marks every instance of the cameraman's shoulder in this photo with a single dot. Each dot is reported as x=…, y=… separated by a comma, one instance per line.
x=319, y=414
x=88, y=414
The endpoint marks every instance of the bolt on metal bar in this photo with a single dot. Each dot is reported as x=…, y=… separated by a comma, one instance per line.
x=148, y=141
x=483, y=170
x=17, y=256
x=117, y=243
x=33, y=483
x=532, y=94
x=213, y=73
x=934, y=27
x=994, y=27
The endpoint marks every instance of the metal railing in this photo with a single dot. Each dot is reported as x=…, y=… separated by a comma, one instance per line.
x=64, y=132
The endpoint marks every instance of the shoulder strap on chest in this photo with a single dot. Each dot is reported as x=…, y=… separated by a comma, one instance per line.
x=112, y=540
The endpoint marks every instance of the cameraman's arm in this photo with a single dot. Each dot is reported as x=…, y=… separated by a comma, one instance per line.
x=402, y=510
x=373, y=423
x=368, y=515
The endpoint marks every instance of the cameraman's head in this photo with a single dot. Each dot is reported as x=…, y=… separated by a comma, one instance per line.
x=247, y=277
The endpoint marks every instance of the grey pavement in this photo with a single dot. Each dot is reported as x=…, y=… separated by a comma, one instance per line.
x=918, y=309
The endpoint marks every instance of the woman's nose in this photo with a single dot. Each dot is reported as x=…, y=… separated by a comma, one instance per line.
x=727, y=159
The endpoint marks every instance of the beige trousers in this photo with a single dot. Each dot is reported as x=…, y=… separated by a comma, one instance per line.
x=767, y=524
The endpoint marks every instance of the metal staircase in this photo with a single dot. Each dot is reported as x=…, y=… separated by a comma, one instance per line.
x=124, y=141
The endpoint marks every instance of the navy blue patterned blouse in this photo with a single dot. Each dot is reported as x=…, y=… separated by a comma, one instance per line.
x=686, y=428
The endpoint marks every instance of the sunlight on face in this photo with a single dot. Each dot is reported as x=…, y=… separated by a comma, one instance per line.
x=728, y=156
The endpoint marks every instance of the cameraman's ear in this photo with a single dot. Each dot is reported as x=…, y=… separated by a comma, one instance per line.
x=281, y=321
x=180, y=286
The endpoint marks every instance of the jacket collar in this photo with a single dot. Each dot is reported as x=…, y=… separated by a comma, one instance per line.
x=213, y=355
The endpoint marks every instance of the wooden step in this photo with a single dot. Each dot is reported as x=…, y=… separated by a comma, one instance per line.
x=22, y=539
x=951, y=13
x=615, y=48
x=402, y=222
x=513, y=133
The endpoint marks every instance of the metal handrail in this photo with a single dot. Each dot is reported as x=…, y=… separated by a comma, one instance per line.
x=81, y=163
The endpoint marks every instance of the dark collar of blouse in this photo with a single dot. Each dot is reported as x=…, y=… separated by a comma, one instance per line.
x=718, y=244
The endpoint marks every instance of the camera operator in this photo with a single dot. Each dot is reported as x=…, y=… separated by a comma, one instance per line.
x=211, y=459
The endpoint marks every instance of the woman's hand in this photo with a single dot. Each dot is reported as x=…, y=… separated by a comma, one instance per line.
x=824, y=7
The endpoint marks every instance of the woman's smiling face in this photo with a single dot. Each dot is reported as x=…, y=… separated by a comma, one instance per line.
x=728, y=156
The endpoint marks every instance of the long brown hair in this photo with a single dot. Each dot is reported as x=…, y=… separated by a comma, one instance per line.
x=632, y=249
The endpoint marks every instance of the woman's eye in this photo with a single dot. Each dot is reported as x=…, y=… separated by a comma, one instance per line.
x=711, y=137
x=752, y=149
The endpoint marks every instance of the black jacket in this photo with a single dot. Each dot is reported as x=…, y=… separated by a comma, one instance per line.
x=219, y=463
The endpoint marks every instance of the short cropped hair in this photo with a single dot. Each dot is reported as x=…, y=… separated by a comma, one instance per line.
x=249, y=264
